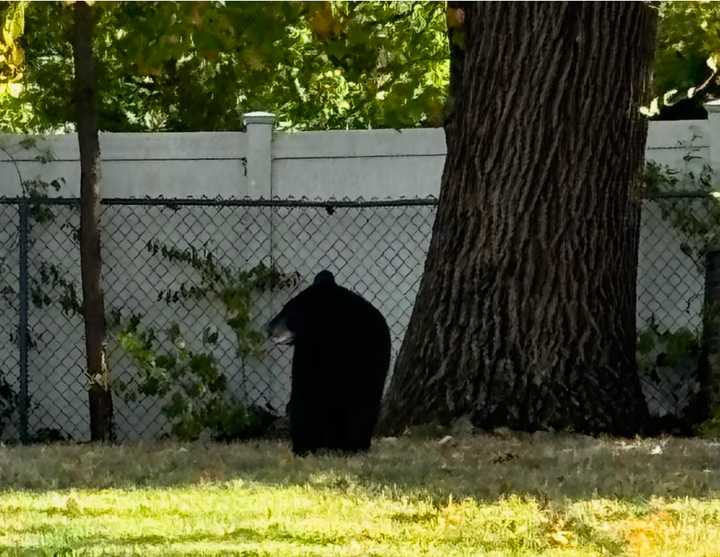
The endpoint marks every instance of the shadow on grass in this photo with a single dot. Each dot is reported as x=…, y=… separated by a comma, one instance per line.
x=254, y=537
x=482, y=467
x=238, y=535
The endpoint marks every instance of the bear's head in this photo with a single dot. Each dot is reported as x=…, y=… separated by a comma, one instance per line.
x=304, y=313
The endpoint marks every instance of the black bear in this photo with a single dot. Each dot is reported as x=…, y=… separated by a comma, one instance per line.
x=341, y=359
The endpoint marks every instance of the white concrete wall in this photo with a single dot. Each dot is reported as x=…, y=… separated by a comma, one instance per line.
x=351, y=164
x=377, y=251
x=317, y=165
x=135, y=164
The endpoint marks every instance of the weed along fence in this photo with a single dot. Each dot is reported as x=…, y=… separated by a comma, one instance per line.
x=207, y=235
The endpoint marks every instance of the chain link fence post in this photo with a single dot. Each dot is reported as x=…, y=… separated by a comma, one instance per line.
x=23, y=331
x=710, y=366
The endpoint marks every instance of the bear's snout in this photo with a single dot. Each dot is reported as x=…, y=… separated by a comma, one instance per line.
x=278, y=332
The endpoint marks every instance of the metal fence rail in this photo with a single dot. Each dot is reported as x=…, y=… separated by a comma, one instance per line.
x=160, y=256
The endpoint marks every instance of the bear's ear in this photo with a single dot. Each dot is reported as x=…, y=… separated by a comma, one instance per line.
x=324, y=277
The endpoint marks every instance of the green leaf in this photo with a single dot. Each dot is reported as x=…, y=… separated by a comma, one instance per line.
x=646, y=341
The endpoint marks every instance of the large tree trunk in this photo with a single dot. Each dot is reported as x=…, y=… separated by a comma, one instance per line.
x=525, y=315
x=100, y=396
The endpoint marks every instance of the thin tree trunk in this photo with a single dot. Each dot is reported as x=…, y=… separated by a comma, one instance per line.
x=100, y=396
x=525, y=315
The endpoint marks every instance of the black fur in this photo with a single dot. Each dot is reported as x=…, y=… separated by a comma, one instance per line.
x=341, y=360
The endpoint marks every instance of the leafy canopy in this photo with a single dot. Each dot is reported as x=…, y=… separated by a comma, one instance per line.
x=186, y=66
x=687, y=54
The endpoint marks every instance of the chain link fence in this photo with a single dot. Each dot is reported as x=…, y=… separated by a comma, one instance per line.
x=677, y=231
x=168, y=266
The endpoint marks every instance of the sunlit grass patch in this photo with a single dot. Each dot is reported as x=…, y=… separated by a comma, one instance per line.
x=234, y=517
x=511, y=495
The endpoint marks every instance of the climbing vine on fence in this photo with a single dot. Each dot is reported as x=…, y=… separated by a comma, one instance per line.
x=701, y=228
x=193, y=389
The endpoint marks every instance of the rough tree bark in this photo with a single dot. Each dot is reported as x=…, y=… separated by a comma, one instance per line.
x=525, y=315
x=100, y=396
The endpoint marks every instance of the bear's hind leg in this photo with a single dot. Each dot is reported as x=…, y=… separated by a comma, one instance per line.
x=307, y=429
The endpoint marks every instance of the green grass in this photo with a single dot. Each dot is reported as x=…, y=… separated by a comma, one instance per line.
x=501, y=495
